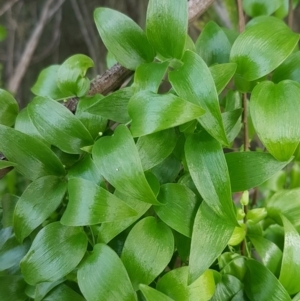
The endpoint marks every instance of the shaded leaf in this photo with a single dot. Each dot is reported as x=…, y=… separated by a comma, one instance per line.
x=63, y=293
x=166, y=26
x=275, y=110
x=123, y=38
x=194, y=82
x=12, y=288
x=9, y=108
x=152, y=112
x=48, y=258
x=125, y=175
x=33, y=158
x=152, y=294
x=8, y=204
x=232, y=123
x=147, y=250
x=103, y=277
x=40, y=199
x=254, y=8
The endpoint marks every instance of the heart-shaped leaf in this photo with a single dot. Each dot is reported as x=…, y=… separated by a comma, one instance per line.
x=254, y=8
x=147, y=250
x=208, y=169
x=100, y=206
x=211, y=234
x=48, y=258
x=38, y=201
x=262, y=47
x=275, y=110
x=102, y=276
x=194, y=83
x=123, y=38
x=125, y=175
x=58, y=125
x=180, y=207
x=250, y=169
x=152, y=112
x=167, y=35
x=9, y=108
x=33, y=158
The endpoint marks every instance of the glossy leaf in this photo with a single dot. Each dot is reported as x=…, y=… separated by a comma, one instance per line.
x=250, y=169
x=208, y=169
x=149, y=76
x=156, y=147
x=194, y=83
x=175, y=285
x=166, y=26
x=222, y=74
x=33, y=158
x=262, y=47
x=254, y=8
x=232, y=123
x=100, y=206
x=43, y=288
x=290, y=266
x=211, y=234
x=180, y=207
x=12, y=288
x=125, y=175
x=269, y=253
x=49, y=256
x=113, y=106
x=63, y=293
x=262, y=284
x=9, y=108
x=152, y=294
x=275, y=110
x=40, y=199
x=103, y=277
x=147, y=250
x=289, y=69
x=152, y=112
x=46, y=84
x=71, y=75
x=213, y=45
x=58, y=125
x=123, y=38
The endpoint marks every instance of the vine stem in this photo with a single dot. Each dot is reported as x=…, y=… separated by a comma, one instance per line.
x=291, y=14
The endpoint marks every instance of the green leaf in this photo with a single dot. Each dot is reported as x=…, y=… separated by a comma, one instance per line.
x=125, y=175
x=222, y=74
x=151, y=112
x=147, y=250
x=5, y=164
x=12, y=288
x=286, y=202
x=289, y=69
x=269, y=253
x=210, y=237
x=194, y=82
x=58, y=125
x=283, y=10
x=166, y=26
x=290, y=266
x=46, y=84
x=100, y=206
x=275, y=114
x=8, y=204
x=156, y=147
x=152, y=294
x=123, y=38
x=9, y=108
x=71, y=75
x=208, y=169
x=232, y=123
x=3, y=33
x=49, y=256
x=102, y=276
x=43, y=288
x=180, y=207
x=250, y=169
x=262, y=47
x=213, y=45
x=262, y=284
x=33, y=158
x=40, y=199
x=149, y=76
x=63, y=293
x=113, y=106
x=175, y=285
x=254, y=8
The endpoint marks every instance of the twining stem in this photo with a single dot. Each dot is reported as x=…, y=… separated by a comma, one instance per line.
x=291, y=14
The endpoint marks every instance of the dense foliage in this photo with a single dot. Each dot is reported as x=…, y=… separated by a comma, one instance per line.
x=150, y=192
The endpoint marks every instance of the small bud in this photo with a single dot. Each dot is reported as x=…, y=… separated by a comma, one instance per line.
x=245, y=198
